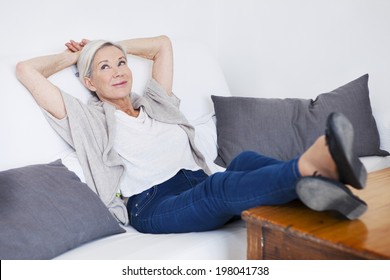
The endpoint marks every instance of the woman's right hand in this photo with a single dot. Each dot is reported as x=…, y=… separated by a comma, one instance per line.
x=74, y=46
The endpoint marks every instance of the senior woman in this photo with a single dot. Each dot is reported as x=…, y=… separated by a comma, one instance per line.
x=142, y=147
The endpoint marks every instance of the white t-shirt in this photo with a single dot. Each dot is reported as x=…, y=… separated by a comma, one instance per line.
x=152, y=151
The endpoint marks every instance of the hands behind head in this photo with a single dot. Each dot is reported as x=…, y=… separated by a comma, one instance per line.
x=76, y=46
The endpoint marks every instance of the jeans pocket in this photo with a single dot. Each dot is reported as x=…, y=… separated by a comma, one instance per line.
x=141, y=201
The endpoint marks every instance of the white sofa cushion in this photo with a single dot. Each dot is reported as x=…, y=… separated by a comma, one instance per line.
x=228, y=242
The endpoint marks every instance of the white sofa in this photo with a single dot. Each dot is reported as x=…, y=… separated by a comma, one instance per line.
x=27, y=139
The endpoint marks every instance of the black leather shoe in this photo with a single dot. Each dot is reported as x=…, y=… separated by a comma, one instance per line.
x=322, y=194
x=340, y=139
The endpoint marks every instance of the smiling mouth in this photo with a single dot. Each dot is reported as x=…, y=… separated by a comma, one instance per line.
x=120, y=84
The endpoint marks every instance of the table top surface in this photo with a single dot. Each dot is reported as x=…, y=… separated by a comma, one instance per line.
x=370, y=234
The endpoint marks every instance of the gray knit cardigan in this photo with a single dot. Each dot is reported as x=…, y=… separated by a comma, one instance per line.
x=89, y=130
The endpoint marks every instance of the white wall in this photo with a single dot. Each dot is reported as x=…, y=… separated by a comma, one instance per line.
x=267, y=48
x=45, y=25
x=301, y=48
x=271, y=48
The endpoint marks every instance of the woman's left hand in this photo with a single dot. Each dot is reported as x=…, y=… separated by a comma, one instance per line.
x=74, y=46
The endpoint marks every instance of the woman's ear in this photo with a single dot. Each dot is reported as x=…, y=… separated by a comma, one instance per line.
x=88, y=83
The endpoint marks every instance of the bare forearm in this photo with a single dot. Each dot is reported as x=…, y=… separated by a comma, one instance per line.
x=49, y=64
x=145, y=47
x=158, y=49
x=33, y=75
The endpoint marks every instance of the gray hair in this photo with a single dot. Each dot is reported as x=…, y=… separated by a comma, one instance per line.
x=84, y=63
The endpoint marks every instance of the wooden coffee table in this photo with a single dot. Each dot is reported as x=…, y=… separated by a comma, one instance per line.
x=293, y=231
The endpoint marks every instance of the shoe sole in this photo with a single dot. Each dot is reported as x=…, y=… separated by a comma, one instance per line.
x=340, y=137
x=321, y=194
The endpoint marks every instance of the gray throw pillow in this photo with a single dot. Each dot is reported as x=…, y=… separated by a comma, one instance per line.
x=285, y=128
x=45, y=210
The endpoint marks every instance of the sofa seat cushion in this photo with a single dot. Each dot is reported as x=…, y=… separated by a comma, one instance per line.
x=228, y=242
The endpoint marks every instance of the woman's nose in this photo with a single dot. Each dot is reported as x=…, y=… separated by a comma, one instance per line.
x=117, y=72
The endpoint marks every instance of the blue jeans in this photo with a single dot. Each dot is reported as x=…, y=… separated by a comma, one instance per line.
x=193, y=201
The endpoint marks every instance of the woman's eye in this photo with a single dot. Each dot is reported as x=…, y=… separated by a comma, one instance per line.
x=104, y=66
x=122, y=62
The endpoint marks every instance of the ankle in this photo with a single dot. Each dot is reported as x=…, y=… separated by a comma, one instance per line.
x=316, y=160
x=305, y=167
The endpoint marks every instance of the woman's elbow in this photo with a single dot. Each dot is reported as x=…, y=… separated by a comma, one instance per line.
x=165, y=41
x=20, y=70
x=165, y=38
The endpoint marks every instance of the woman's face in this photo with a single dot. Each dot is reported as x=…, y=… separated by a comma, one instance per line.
x=111, y=78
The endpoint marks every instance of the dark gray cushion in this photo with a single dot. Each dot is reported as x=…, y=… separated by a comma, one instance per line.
x=45, y=210
x=285, y=128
